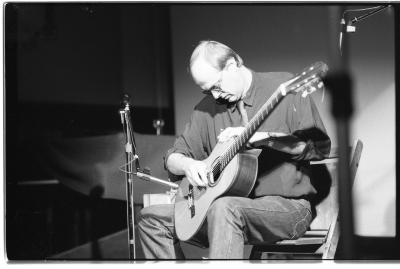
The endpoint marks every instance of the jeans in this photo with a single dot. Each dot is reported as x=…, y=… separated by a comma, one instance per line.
x=231, y=223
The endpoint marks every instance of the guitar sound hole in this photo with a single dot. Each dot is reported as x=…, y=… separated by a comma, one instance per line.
x=215, y=171
x=216, y=177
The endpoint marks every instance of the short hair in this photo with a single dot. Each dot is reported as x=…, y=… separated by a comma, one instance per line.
x=215, y=53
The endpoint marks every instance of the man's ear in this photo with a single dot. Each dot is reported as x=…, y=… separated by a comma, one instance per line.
x=231, y=63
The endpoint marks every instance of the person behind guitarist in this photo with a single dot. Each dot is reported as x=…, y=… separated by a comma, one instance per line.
x=278, y=207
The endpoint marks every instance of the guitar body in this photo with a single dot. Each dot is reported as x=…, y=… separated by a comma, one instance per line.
x=237, y=179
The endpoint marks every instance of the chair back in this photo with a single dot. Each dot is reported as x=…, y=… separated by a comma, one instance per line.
x=327, y=208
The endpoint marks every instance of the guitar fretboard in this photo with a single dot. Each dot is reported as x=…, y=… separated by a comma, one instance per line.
x=249, y=130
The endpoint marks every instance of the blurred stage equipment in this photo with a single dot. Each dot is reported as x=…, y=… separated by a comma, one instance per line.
x=132, y=167
x=347, y=27
x=339, y=83
x=158, y=124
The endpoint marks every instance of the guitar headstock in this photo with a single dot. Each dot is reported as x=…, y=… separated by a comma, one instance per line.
x=308, y=81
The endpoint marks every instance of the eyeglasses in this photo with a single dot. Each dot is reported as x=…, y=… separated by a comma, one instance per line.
x=216, y=88
x=213, y=89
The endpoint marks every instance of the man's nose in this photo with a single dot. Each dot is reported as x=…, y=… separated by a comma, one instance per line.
x=216, y=95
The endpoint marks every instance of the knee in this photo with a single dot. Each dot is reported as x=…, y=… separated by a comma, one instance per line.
x=146, y=218
x=155, y=217
x=142, y=220
x=222, y=208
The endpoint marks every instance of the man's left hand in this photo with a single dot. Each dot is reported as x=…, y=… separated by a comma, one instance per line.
x=229, y=133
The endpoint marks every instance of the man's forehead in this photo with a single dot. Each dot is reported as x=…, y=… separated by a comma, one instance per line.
x=204, y=74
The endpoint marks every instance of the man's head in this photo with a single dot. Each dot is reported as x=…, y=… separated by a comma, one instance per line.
x=219, y=71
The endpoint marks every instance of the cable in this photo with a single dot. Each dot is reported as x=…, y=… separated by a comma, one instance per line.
x=126, y=164
x=358, y=10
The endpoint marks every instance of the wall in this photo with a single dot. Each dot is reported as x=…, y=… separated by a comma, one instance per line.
x=145, y=54
x=71, y=66
x=69, y=54
x=288, y=38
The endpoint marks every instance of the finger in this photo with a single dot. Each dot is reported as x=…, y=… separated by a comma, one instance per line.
x=211, y=177
x=191, y=181
x=197, y=179
x=223, y=136
x=203, y=177
x=276, y=134
x=228, y=133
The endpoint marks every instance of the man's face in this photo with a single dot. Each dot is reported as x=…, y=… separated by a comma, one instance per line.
x=227, y=84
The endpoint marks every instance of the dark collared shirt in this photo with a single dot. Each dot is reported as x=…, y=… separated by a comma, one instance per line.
x=279, y=173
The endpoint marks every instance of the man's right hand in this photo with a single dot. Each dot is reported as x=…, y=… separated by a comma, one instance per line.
x=196, y=172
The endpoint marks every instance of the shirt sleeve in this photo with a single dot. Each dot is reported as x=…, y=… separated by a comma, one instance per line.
x=191, y=142
x=305, y=123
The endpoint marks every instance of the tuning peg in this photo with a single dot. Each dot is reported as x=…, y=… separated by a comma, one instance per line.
x=308, y=91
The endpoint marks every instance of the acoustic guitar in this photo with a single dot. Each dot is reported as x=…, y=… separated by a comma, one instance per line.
x=235, y=171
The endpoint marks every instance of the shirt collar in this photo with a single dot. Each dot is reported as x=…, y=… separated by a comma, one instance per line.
x=248, y=100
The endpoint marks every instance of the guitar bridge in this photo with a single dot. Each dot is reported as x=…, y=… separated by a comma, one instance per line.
x=191, y=201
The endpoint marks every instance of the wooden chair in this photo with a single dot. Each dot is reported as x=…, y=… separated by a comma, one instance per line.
x=321, y=240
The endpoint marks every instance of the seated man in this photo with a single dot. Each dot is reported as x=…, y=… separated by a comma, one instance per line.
x=278, y=207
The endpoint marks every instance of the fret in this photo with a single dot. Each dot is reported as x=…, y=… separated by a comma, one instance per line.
x=253, y=128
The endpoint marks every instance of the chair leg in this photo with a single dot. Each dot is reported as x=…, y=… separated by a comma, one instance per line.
x=329, y=253
x=255, y=254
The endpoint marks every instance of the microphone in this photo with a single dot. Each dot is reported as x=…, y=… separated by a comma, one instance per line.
x=345, y=28
x=125, y=103
x=142, y=175
x=126, y=99
x=342, y=30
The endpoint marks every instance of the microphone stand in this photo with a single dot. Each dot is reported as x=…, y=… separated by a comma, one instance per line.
x=133, y=159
